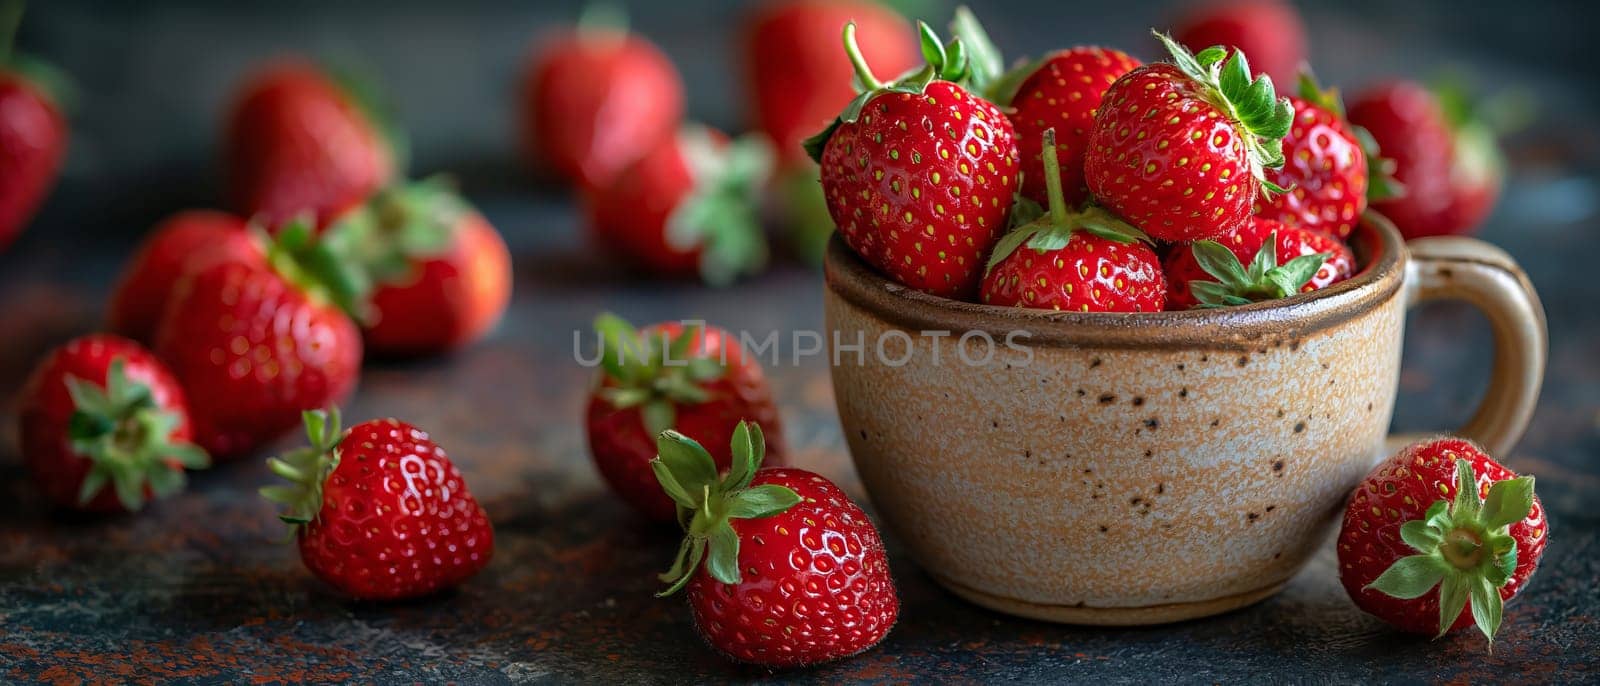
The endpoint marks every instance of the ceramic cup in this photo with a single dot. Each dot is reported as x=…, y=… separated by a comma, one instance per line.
x=1147, y=468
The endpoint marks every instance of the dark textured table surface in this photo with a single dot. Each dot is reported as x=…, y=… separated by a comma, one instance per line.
x=194, y=590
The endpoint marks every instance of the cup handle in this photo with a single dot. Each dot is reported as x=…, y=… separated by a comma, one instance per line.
x=1456, y=268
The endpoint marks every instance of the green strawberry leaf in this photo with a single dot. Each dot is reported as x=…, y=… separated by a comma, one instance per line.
x=761, y=501
x=1509, y=502
x=985, y=65
x=1487, y=607
x=1220, y=262
x=722, y=560
x=1411, y=577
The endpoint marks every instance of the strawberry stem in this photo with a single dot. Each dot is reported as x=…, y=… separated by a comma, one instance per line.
x=1052, y=179
x=859, y=62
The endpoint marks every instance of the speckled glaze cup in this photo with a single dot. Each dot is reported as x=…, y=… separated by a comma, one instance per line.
x=1146, y=468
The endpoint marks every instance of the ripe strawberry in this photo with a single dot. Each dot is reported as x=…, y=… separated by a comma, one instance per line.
x=298, y=142
x=1079, y=262
x=1326, y=167
x=1440, y=513
x=794, y=575
x=919, y=174
x=1446, y=159
x=1062, y=92
x=1179, y=150
x=795, y=74
x=179, y=240
x=104, y=426
x=687, y=208
x=696, y=379
x=257, y=341
x=33, y=133
x=379, y=511
x=1213, y=273
x=594, y=98
x=1269, y=31
x=440, y=276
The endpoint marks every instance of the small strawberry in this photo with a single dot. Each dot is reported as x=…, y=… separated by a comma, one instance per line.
x=104, y=426
x=1326, y=167
x=379, y=511
x=688, y=208
x=795, y=74
x=1440, y=514
x=1180, y=150
x=299, y=142
x=794, y=573
x=919, y=173
x=1213, y=273
x=33, y=130
x=696, y=379
x=182, y=239
x=594, y=98
x=1269, y=31
x=1446, y=159
x=1088, y=261
x=1062, y=92
x=439, y=275
x=256, y=341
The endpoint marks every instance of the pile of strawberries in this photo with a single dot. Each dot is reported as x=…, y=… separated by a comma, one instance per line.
x=233, y=329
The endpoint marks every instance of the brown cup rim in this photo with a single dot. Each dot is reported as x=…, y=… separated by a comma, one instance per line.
x=1377, y=243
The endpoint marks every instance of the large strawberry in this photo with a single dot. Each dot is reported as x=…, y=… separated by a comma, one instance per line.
x=1327, y=167
x=436, y=273
x=1180, y=150
x=1446, y=160
x=594, y=98
x=796, y=75
x=696, y=379
x=379, y=511
x=1442, y=515
x=689, y=208
x=919, y=173
x=1214, y=273
x=1270, y=31
x=1087, y=261
x=33, y=131
x=104, y=426
x=783, y=570
x=178, y=241
x=298, y=142
x=256, y=341
x=1062, y=92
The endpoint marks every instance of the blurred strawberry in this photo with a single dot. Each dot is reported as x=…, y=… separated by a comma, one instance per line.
x=33, y=131
x=103, y=426
x=162, y=259
x=299, y=142
x=1269, y=31
x=437, y=274
x=596, y=97
x=1446, y=160
x=797, y=77
x=686, y=209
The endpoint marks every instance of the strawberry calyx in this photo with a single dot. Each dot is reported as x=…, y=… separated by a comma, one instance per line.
x=45, y=78
x=1464, y=548
x=1253, y=105
x=319, y=266
x=386, y=236
x=306, y=469
x=943, y=62
x=1475, y=125
x=1381, y=183
x=721, y=215
x=1045, y=229
x=707, y=502
x=127, y=439
x=653, y=371
x=1264, y=279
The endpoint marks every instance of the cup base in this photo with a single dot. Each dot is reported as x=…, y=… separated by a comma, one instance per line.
x=1110, y=616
